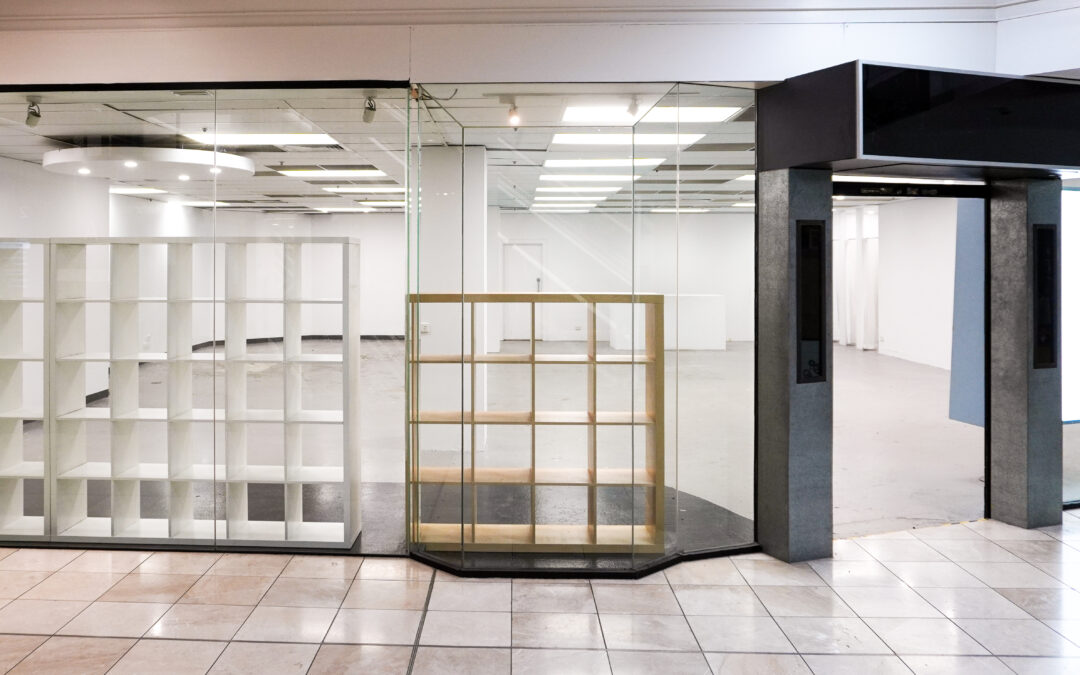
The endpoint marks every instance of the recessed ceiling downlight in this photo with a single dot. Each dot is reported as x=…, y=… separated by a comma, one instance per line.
x=163, y=164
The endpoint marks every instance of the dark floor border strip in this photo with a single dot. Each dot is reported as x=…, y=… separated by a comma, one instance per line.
x=650, y=568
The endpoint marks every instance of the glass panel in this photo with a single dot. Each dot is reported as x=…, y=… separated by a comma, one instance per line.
x=1070, y=340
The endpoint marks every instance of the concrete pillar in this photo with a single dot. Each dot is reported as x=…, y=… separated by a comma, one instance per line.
x=793, y=420
x=1025, y=395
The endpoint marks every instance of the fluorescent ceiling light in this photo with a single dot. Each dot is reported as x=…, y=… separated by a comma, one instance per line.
x=382, y=203
x=599, y=163
x=584, y=188
x=605, y=115
x=745, y=204
x=559, y=210
x=589, y=178
x=686, y=210
x=205, y=205
x=569, y=198
x=262, y=139
x=626, y=139
x=563, y=206
x=371, y=189
x=848, y=178
x=747, y=177
x=332, y=173
x=133, y=190
x=690, y=114
x=345, y=209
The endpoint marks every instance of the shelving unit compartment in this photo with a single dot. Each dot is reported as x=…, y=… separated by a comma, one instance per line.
x=82, y=449
x=22, y=507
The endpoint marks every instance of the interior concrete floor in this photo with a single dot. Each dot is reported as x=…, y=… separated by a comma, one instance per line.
x=898, y=460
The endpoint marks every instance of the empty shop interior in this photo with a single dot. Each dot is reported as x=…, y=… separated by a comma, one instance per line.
x=499, y=326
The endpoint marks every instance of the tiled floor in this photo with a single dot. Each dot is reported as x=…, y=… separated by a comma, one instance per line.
x=979, y=597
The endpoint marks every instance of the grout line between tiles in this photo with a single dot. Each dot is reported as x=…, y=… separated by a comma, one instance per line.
x=420, y=626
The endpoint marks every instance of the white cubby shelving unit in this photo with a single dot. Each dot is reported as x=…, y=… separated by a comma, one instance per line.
x=174, y=457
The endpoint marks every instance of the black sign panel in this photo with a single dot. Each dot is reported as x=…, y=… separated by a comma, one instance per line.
x=909, y=112
x=810, y=247
x=1046, y=296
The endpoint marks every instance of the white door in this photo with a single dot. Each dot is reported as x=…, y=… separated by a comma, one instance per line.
x=523, y=272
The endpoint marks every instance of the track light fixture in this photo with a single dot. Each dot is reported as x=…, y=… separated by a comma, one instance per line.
x=632, y=109
x=514, y=119
x=369, y=109
x=33, y=112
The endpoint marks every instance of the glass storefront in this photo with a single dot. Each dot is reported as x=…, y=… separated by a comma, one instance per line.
x=580, y=324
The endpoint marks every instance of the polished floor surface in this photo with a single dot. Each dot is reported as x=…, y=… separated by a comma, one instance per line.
x=979, y=597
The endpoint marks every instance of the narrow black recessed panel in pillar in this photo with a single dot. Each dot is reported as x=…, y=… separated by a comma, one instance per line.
x=1046, y=296
x=810, y=299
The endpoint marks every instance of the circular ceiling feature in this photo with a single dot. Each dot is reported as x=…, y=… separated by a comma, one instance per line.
x=146, y=164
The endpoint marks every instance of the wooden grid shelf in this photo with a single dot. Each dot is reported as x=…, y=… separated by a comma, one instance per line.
x=589, y=535
x=93, y=300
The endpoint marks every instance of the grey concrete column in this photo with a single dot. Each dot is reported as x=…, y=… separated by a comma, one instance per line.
x=793, y=421
x=1025, y=401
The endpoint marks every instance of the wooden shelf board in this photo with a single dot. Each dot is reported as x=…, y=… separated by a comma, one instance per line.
x=569, y=359
x=624, y=358
x=314, y=301
x=626, y=535
x=562, y=417
x=502, y=358
x=502, y=417
x=563, y=535
x=643, y=477
x=562, y=476
x=23, y=470
x=623, y=418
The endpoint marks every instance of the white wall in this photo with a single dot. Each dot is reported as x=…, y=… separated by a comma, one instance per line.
x=594, y=252
x=1040, y=43
x=917, y=261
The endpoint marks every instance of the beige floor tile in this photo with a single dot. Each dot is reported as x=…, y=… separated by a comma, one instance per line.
x=386, y=594
x=14, y=647
x=560, y=662
x=952, y=532
x=655, y=578
x=556, y=631
x=306, y=592
x=116, y=562
x=200, y=622
x=250, y=564
x=843, y=664
x=978, y=603
x=1035, y=665
x=647, y=632
x=250, y=658
x=178, y=562
x=322, y=567
x=38, y=559
x=115, y=619
x=1010, y=575
x=753, y=664
x=42, y=617
x=1070, y=628
x=739, y=633
x=227, y=590
x=973, y=550
x=776, y=573
x=1044, y=603
x=651, y=663
x=934, y=575
x=449, y=576
x=401, y=569
x=150, y=588
x=634, y=599
x=802, y=601
x=831, y=636
x=939, y=637
x=566, y=598
x=5, y=552
x=956, y=665
x=458, y=661
x=888, y=602
x=844, y=573
x=361, y=660
x=14, y=584
x=168, y=657
x=721, y=600
x=1043, y=551
x=711, y=572
x=375, y=626
x=466, y=629
x=899, y=550
x=470, y=596
x=848, y=549
x=67, y=655
x=73, y=586
x=1018, y=637
x=998, y=531
x=1068, y=573
x=286, y=624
